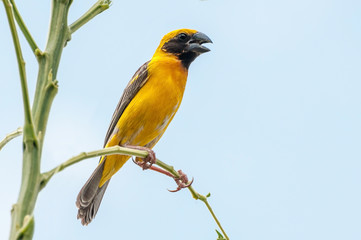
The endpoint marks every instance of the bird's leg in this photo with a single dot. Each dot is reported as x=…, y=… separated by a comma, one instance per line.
x=146, y=162
x=161, y=170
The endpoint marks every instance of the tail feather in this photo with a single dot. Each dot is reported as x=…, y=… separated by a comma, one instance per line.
x=91, y=195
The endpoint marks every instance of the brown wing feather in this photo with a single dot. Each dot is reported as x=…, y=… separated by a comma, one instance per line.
x=138, y=80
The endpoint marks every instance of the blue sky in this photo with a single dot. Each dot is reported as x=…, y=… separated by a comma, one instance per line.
x=270, y=122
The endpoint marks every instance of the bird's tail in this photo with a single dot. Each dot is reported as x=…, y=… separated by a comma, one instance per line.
x=91, y=195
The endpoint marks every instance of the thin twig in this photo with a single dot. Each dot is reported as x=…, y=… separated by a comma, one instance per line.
x=23, y=27
x=11, y=136
x=29, y=132
x=195, y=194
x=97, y=8
x=130, y=152
x=46, y=176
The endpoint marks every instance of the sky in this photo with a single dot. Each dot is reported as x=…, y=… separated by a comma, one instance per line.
x=270, y=122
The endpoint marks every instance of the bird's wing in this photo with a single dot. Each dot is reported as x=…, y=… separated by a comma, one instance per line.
x=135, y=84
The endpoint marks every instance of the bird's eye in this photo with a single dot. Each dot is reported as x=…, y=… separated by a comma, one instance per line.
x=182, y=36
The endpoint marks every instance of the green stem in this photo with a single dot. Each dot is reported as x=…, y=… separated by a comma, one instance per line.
x=84, y=155
x=46, y=100
x=49, y=62
x=28, y=192
x=10, y=136
x=98, y=7
x=31, y=167
x=204, y=199
x=23, y=27
x=195, y=194
x=28, y=126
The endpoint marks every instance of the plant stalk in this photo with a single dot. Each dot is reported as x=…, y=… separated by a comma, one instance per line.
x=98, y=7
x=49, y=60
x=22, y=227
x=23, y=27
x=31, y=169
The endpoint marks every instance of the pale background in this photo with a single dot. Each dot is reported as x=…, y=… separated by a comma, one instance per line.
x=270, y=123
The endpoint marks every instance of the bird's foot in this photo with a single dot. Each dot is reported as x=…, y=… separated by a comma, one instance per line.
x=146, y=162
x=182, y=181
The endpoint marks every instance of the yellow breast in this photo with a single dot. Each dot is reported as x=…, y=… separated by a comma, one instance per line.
x=149, y=113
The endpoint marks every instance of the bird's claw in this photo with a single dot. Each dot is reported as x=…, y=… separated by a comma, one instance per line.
x=148, y=161
x=182, y=181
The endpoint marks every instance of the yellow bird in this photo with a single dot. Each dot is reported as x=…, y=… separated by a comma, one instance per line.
x=147, y=106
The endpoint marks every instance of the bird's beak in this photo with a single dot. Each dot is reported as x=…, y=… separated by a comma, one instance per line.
x=195, y=43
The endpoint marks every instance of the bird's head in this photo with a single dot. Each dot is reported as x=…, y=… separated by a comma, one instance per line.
x=184, y=44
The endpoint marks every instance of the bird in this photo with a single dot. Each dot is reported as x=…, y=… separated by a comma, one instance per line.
x=145, y=109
